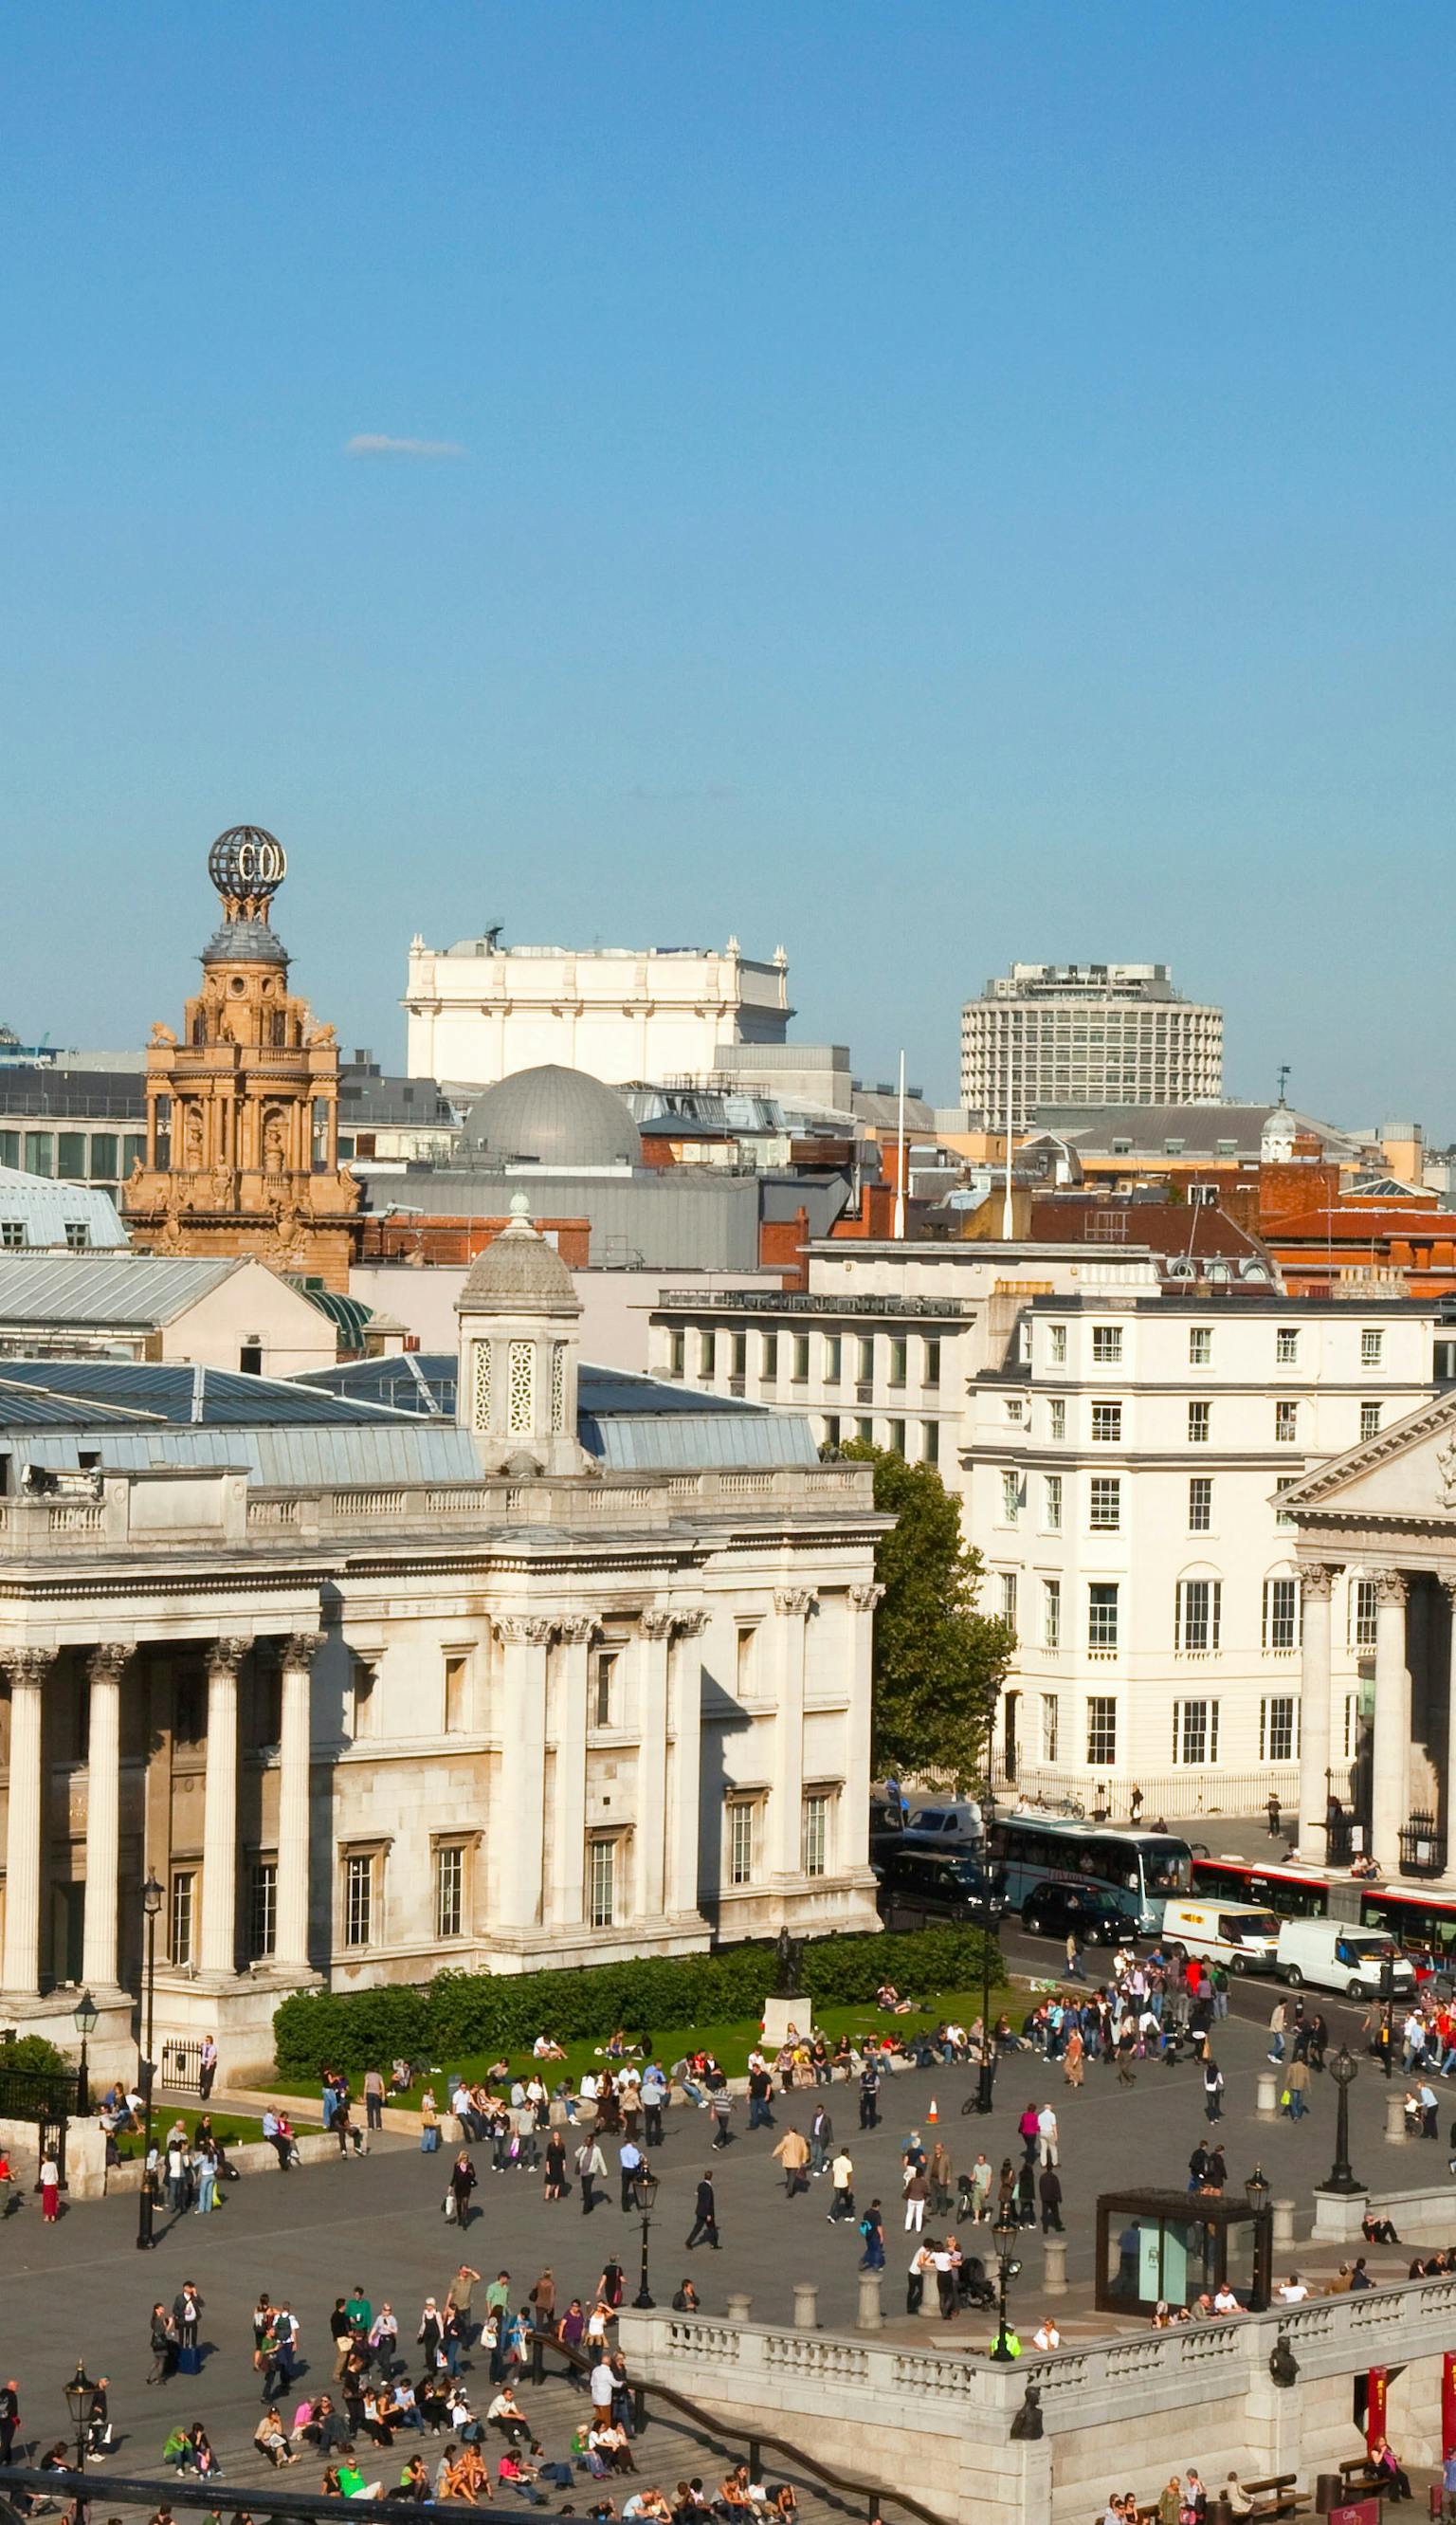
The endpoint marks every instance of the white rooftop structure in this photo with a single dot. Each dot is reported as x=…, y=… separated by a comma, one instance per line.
x=480, y=1011
x=37, y=1214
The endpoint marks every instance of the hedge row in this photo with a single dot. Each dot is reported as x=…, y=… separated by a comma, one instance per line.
x=460, y=2014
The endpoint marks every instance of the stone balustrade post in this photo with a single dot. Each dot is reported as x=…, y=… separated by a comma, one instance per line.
x=805, y=2305
x=871, y=2314
x=1054, y=2276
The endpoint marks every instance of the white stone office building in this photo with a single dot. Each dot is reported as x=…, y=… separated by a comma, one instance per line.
x=1085, y=1034
x=552, y=1668
x=480, y=1011
x=1125, y=1464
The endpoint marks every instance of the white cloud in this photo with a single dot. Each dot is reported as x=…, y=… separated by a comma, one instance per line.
x=425, y=448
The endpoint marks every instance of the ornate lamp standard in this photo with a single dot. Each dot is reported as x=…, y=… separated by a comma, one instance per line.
x=87, y=2018
x=151, y=1904
x=1344, y=2071
x=79, y=2392
x=1007, y=2235
x=985, y=2074
x=1257, y=2188
x=646, y=2188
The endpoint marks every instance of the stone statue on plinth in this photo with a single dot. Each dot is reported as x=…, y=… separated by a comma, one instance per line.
x=786, y=2001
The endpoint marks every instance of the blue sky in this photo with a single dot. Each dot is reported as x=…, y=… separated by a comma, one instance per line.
x=939, y=485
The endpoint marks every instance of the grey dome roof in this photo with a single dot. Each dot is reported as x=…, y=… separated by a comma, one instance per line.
x=560, y=1117
x=245, y=942
x=518, y=1273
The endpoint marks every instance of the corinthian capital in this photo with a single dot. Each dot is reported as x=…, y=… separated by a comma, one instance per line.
x=299, y=1649
x=657, y=1623
x=794, y=1599
x=690, y=1627
x=578, y=1629
x=224, y=1656
x=526, y=1630
x=1391, y=1586
x=27, y=1665
x=108, y=1662
x=865, y=1598
x=1317, y=1577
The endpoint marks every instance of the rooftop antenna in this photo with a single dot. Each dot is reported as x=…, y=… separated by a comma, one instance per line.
x=900, y=1178
x=1284, y=1080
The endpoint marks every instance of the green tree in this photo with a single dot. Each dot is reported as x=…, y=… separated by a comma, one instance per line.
x=939, y=1665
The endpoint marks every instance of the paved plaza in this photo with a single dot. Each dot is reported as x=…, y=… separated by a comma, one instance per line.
x=84, y=2289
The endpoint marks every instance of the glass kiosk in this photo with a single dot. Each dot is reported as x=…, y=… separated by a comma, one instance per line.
x=1168, y=2247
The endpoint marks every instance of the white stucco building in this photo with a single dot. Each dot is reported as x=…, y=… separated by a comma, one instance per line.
x=554, y=1666
x=1085, y=1034
x=1117, y=1449
x=1124, y=1466
x=480, y=1011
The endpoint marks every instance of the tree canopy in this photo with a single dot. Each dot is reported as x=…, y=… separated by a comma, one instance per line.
x=939, y=1665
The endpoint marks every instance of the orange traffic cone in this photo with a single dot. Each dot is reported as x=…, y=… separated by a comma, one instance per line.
x=933, y=2115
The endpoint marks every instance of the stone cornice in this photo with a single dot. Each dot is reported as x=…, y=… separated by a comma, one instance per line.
x=1396, y=1440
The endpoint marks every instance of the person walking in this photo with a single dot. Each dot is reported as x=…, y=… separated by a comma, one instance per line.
x=1274, y=1816
x=373, y=2095
x=591, y=2169
x=939, y=2176
x=1048, y=2137
x=704, y=2227
x=1296, y=2088
x=629, y=2166
x=869, y=2097
x=842, y=2176
x=207, y=2068
x=1073, y=2056
x=723, y=2113
x=1278, y=2022
x=976, y=2188
x=461, y=2185
x=760, y=2099
x=821, y=2141
x=1074, y=1957
x=1213, y=2089
x=1049, y=2186
x=917, y=2193
x=872, y=2229
x=793, y=2154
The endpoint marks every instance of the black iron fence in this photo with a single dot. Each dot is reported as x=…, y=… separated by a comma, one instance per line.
x=1422, y=1848
x=181, y=2064
x=48, y=2099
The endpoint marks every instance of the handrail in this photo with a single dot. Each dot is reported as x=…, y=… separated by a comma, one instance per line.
x=173, y=2493
x=727, y=2431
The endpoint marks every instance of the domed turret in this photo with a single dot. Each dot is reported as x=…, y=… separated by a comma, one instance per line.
x=518, y=1313
x=553, y=1117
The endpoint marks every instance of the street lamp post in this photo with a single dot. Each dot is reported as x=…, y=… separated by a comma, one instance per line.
x=151, y=1902
x=87, y=2018
x=1344, y=2072
x=79, y=2392
x=647, y=2192
x=1007, y=2234
x=986, y=2075
x=1387, y=1996
x=1257, y=2188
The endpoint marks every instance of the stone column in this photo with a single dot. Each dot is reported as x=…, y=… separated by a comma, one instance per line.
x=853, y=1848
x=651, y=1765
x=525, y=1638
x=103, y=1817
x=27, y=1669
x=792, y=1606
x=1392, y=1721
x=295, y=1775
x=685, y=1684
x=220, y=1813
x=1317, y=1581
x=570, y=1780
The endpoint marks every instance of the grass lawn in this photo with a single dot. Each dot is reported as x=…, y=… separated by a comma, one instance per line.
x=732, y=2041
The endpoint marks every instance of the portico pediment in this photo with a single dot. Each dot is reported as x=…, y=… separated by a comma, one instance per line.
x=1406, y=1474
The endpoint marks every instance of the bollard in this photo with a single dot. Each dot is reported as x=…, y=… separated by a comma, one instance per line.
x=930, y=2299
x=1266, y=2095
x=739, y=2304
x=1396, y=2117
x=805, y=2306
x=1055, y=2279
x=1284, y=2222
x=871, y=2315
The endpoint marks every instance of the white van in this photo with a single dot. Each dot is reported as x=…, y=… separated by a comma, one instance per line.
x=1241, y=1935
x=1338, y=1954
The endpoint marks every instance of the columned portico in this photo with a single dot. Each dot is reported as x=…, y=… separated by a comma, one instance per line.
x=569, y=1821
x=1317, y=1588
x=295, y=1775
x=1392, y=1719
x=651, y=1765
x=219, y=1828
x=105, y=1668
x=27, y=1669
x=793, y=1606
x=525, y=1639
x=685, y=1710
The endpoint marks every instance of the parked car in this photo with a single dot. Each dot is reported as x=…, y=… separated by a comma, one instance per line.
x=1241, y=1935
x=945, y=1823
x=1056, y=1911
x=920, y=1886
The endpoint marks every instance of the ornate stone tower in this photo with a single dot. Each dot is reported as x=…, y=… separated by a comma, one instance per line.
x=242, y=1112
x=518, y=1316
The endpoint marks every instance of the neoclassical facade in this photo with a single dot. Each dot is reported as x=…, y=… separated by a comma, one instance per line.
x=1377, y=1540
x=372, y=1693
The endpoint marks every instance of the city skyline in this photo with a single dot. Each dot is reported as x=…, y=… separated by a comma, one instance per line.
x=940, y=489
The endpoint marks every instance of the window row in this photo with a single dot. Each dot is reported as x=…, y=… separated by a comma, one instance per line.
x=779, y=1352
x=74, y=1156
x=1198, y=1613
x=1195, y=1730
x=913, y=1440
x=1107, y=1345
x=1104, y=1501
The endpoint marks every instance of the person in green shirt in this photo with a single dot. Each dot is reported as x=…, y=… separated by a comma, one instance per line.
x=497, y=2294
x=359, y=2309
